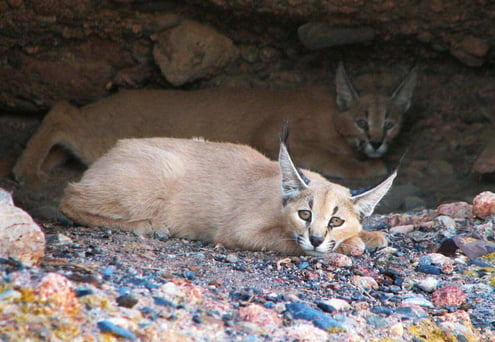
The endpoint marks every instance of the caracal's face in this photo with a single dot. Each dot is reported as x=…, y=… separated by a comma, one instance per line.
x=372, y=123
x=322, y=217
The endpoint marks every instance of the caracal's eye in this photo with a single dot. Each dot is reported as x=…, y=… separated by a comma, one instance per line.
x=305, y=215
x=335, y=221
x=363, y=124
x=388, y=125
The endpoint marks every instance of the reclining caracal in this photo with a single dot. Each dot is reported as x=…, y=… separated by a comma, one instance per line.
x=329, y=129
x=223, y=193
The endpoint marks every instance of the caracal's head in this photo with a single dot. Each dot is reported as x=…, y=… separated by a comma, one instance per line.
x=319, y=214
x=370, y=122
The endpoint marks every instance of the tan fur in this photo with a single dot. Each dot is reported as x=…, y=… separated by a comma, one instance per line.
x=327, y=128
x=222, y=193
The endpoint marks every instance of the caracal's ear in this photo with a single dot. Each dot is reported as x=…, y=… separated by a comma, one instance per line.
x=346, y=93
x=366, y=201
x=402, y=95
x=293, y=181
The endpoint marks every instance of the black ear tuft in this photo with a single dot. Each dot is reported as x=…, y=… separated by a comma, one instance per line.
x=284, y=134
x=356, y=192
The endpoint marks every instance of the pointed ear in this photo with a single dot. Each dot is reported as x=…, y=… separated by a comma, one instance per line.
x=402, y=95
x=293, y=181
x=346, y=93
x=366, y=202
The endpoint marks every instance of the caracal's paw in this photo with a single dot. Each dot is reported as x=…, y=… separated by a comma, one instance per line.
x=373, y=240
x=352, y=246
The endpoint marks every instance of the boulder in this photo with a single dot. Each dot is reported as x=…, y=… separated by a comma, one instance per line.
x=20, y=237
x=191, y=51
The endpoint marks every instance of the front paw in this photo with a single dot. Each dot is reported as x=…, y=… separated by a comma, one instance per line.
x=352, y=246
x=373, y=240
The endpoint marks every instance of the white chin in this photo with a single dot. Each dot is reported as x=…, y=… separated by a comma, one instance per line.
x=378, y=153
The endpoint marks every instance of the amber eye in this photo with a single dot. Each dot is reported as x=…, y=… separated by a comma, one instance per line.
x=305, y=215
x=388, y=125
x=335, y=221
x=363, y=124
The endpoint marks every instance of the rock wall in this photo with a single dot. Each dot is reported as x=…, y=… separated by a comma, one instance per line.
x=82, y=50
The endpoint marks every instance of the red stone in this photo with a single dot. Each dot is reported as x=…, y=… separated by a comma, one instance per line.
x=484, y=204
x=448, y=296
x=260, y=315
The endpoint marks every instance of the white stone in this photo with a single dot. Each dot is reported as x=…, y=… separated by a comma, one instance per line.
x=429, y=284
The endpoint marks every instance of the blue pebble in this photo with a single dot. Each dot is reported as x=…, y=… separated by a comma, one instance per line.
x=163, y=302
x=326, y=307
x=269, y=305
x=410, y=313
x=317, y=317
x=302, y=265
x=428, y=269
x=83, y=292
x=382, y=310
x=189, y=275
x=107, y=272
x=109, y=327
x=424, y=260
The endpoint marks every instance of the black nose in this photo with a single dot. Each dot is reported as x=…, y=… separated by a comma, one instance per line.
x=376, y=144
x=315, y=240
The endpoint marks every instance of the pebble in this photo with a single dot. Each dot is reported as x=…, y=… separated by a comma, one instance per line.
x=325, y=306
x=319, y=319
x=163, y=302
x=232, y=258
x=403, y=229
x=429, y=269
x=428, y=284
x=301, y=332
x=59, y=240
x=366, y=283
x=189, y=275
x=484, y=204
x=382, y=310
x=82, y=292
x=448, y=296
x=109, y=327
x=339, y=260
x=337, y=304
x=10, y=295
x=448, y=223
x=57, y=290
x=127, y=300
x=376, y=321
x=411, y=312
x=260, y=315
x=484, y=231
x=459, y=210
x=418, y=300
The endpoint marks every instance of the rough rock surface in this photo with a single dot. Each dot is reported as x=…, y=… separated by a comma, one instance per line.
x=191, y=51
x=20, y=237
x=79, y=50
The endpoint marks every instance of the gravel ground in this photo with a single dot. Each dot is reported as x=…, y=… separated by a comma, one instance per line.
x=105, y=285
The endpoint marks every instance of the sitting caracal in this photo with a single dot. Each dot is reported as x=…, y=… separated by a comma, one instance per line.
x=222, y=193
x=329, y=129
